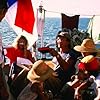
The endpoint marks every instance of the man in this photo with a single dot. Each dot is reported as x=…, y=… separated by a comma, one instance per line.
x=64, y=60
x=4, y=95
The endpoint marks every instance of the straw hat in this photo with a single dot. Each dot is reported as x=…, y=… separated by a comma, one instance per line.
x=40, y=71
x=86, y=46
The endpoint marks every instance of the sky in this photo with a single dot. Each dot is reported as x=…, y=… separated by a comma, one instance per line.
x=71, y=7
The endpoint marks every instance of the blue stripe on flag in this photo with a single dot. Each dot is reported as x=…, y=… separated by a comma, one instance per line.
x=11, y=2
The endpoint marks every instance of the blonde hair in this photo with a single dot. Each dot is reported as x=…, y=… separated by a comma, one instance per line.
x=16, y=41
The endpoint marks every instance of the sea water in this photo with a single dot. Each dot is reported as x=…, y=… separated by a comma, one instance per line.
x=51, y=27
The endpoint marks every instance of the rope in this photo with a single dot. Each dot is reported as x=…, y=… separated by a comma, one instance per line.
x=72, y=13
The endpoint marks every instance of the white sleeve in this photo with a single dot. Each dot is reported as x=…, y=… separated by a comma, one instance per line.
x=5, y=51
x=98, y=80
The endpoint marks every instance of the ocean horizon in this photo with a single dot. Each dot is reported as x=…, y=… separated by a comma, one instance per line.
x=51, y=27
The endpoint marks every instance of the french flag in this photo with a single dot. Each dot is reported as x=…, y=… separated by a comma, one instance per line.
x=21, y=16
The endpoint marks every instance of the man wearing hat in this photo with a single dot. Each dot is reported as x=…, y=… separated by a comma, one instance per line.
x=87, y=66
x=40, y=72
x=89, y=62
x=89, y=52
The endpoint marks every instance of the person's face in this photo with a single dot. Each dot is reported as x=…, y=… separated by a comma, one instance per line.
x=62, y=42
x=2, y=13
x=22, y=44
x=85, y=54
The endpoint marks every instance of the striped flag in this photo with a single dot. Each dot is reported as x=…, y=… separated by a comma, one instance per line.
x=21, y=16
x=25, y=15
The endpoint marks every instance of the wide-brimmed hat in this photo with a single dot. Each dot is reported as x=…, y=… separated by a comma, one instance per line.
x=87, y=45
x=40, y=71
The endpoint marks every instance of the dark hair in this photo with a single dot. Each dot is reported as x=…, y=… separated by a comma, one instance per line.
x=67, y=39
x=66, y=30
x=3, y=4
x=94, y=54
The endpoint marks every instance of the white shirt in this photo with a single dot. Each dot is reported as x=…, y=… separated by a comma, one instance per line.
x=65, y=56
x=98, y=80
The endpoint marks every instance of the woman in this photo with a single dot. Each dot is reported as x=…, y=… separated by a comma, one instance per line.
x=18, y=81
x=19, y=50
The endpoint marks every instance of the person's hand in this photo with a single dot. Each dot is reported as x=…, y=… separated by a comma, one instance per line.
x=53, y=52
x=24, y=66
x=55, y=74
x=77, y=95
x=97, y=98
x=28, y=66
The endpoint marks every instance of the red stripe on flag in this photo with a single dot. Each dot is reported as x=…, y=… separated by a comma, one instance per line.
x=25, y=15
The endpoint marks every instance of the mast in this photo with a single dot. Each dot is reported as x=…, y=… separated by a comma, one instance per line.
x=40, y=22
x=94, y=27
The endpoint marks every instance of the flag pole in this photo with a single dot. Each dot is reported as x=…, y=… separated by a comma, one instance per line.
x=90, y=26
x=42, y=12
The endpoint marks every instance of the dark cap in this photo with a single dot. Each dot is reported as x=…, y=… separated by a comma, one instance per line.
x=65, y=35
